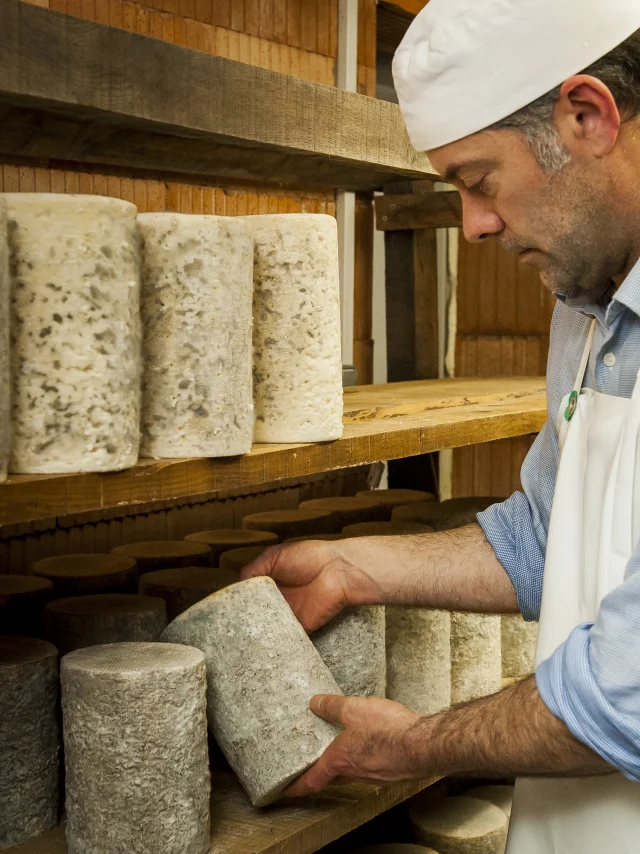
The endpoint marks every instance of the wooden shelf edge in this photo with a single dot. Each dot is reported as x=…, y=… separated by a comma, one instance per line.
x=382, y=423
x=291, y=828
x=75, y=90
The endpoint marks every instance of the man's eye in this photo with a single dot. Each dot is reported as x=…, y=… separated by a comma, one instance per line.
x=477, y=188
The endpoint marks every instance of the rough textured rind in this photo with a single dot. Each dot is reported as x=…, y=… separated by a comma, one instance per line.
x=347, y=509
x=419, y=658
x=234, y=560
x=352, y=647
x=182, y=588
x=262, y=671
x=29, y=738
x=82, y=621
x=475, y=656
x=5, y=388
x=84, y=574
x=391, y=498
x=136, y=714
x=292, y=523
x=297, y=364
x=223, y=539
x=444, y=515
x=22, y=601
x=461, y=825
x=76, y=354
x=165, y=554
x=385, y=529
x=196, y=305
x=499, y=796
x=519, y=640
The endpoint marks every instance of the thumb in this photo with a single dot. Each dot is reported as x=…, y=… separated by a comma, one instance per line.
x=329, y=707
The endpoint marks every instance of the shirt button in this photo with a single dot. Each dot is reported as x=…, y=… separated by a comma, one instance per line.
x=609, y=359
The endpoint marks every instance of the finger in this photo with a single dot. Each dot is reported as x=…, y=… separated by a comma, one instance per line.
x=262, y=565
x=317, y=778
x=330, y=707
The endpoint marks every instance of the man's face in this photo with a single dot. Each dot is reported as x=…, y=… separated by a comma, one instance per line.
x=561, y=223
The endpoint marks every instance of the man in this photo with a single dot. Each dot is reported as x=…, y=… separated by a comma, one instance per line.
x=532, y=109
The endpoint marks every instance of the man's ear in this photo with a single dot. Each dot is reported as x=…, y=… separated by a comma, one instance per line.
x=587, y=117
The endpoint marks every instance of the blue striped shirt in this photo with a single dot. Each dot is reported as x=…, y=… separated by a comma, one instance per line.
x=592, y=681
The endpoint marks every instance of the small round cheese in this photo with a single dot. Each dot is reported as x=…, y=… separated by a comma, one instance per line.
x=82, y=574
x=182, y=588
x=222, y=539
x=292, y=523
x=165, y=554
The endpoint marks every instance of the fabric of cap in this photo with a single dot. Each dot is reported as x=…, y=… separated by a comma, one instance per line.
x=465, y=64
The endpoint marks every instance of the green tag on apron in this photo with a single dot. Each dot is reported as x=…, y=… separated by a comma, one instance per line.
x=572, y=405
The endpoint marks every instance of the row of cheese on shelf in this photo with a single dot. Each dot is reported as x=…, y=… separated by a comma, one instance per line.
x=168, y=335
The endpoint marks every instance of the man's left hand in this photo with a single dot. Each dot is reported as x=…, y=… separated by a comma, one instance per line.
x=375, y=745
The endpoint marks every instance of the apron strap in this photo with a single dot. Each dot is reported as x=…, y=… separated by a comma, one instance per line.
x=585, y=357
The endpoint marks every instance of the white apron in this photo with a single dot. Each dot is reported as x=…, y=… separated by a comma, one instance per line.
x=592, y=533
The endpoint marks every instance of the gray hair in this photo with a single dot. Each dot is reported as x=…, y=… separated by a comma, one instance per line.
x=619, y=70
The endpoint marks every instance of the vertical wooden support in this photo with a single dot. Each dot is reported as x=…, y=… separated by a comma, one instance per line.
x=363, y=289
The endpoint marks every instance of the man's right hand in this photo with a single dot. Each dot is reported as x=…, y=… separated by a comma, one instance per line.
x=316, y=578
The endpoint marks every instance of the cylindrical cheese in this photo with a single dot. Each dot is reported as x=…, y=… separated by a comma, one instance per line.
x=81, y=621
x=519, y=640
x=165, y=554
x=395, y=848
x=499, y=796
x=352, y=647
x=135, y=739
x=327, y=537
x=22, y=601
x=182, y=588
x=76, y=355
x=197, y=289
x=346, y=509
x=292, y=523
x=80, y=575
x=476, y=668
x=29, y=738
x=297, y=364
x=234, y=560
x=443, y=515
x=419, y=658
x=385, y=529
x=262, y=671
x=222, y=539
x=460, y=825
x=5, y=388
x=391, y=498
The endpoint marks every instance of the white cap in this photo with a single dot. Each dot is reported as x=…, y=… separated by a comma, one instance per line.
x=465, y=64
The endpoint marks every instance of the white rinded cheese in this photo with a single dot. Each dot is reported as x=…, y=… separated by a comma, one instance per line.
x=519, y=640
x=476, y=668
x=197, y=283
x=461, y=825
x=297, y=365
x=76, y=358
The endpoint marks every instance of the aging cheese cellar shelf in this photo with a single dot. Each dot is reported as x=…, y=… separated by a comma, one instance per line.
x=73, y=90
x=382, y=422
x=303, y=827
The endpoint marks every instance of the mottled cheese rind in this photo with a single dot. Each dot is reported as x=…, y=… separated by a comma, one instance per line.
x=5, y=394
x=461, y=825
x=196, y=307
x=519, y=639
x=297, y=364
x=76, y=355
x=476, y=668
x=419, y=658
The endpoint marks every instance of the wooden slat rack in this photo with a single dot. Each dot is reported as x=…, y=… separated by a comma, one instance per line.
x=74, y=90
x=383, y=422
x=298, y=827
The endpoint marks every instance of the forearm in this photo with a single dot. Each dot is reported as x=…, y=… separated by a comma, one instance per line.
x=511, y=733
x=452, y=570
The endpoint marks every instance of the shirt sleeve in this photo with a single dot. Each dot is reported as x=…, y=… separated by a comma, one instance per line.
x=592, y=681
x=517, y=528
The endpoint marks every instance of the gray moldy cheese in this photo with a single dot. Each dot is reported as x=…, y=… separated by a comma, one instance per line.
x=29, y=738
x=476, y=666
x=461, y=825
x=196, y=307
x=297, y=364
x=75, y=323
x=262, y=671
x=5, y=394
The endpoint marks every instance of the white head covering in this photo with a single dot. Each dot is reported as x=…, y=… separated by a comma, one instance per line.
x=465, y=64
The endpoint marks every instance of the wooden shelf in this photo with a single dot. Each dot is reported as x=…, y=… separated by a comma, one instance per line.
x=299, y=827
x=384, y=422
x=73, y=90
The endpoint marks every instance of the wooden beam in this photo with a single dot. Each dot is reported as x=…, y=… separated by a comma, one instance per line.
x=410, y=6
x=74, y=90
x=406, y=212
x=383, y=422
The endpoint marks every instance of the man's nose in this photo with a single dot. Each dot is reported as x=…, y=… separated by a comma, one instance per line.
x=479, y=220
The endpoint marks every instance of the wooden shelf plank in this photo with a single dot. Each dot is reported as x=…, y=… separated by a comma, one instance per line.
x=406, y=212
x=74, y=90
x=296, y=827
x=384, y=422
